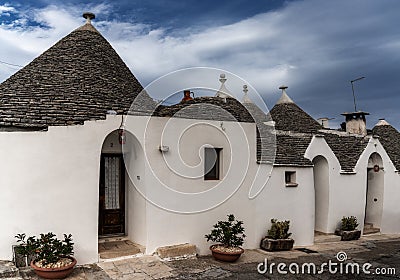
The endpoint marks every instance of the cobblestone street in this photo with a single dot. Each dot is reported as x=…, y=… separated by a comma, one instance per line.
x=381, y=251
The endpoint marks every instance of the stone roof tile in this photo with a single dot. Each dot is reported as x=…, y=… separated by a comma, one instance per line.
x=390, y=139
x=347, y=149
x=207, y=108
x=77, y=79
x=290, y=117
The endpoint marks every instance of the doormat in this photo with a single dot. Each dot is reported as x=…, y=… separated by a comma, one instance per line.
x=305, y=250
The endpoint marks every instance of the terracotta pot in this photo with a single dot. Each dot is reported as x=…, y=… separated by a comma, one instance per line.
x=54, y=273
x=226, y=256
x=276, y=244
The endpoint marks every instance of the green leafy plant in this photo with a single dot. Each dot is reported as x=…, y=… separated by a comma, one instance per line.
x=279, y=230
x=47, y=248
x=349, y=223
x=229, y=233
x=25, y=250
x=25, y=246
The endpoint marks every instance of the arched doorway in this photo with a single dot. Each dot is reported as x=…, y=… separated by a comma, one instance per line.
x=112, y=187
x=321, y=189
x=122, y=210
x=374, y=196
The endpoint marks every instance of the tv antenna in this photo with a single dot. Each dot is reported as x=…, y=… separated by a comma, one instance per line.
x=352, y=88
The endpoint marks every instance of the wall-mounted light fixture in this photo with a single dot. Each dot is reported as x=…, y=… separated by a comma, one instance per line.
x=163, y=149
x=121, y=132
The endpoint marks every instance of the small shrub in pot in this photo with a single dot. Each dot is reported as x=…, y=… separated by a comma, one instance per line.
x=278, y=237
x=230, y=236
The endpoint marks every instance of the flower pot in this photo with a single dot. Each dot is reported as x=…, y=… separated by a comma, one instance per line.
x=347, y=235
x=231, y=254
x=54, y=273
x=21, y=260
x=276, y=244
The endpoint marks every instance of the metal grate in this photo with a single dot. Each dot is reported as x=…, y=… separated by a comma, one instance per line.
x=112, y=180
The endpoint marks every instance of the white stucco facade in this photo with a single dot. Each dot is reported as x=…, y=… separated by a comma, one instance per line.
x=50, y=182
x=348, y=193
x=53, y=185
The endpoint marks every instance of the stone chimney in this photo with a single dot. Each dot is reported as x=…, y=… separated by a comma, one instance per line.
x=356, y=122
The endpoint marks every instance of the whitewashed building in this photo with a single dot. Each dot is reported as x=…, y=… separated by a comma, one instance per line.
x=77, y=159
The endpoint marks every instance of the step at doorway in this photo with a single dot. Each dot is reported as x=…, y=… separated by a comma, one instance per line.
x=370, y=229
x=117, y=247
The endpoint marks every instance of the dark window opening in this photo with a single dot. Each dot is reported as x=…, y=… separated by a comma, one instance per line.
x=212, y=163
x=290, y=179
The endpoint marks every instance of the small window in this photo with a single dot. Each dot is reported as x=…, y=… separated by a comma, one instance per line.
x=212, y=163
x=290, y=179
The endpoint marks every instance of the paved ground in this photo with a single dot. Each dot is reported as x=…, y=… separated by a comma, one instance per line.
x=381, y=251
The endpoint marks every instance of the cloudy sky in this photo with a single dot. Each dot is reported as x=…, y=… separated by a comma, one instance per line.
x=315, y=47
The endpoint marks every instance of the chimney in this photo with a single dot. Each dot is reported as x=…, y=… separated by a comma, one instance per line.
x=186, y=95
x=356, y=122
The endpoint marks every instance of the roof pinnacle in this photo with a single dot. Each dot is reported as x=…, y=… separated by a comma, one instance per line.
x=223, y=92
x=246, y=98
x=88, y=16
x=284, y=97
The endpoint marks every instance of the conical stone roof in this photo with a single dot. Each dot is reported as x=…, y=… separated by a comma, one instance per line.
x=80, y=78
x=390, y=139
x=290, y=117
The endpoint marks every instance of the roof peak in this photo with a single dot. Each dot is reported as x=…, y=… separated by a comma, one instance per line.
x=223, y=92
x=246, y=98
x=88, y=24
x=284, y=97
x=88, y=16
x=382, y=122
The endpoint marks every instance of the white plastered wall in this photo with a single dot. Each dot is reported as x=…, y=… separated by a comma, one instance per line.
x=347, y=195
x=167, y=227
x=49, y=181
x=390, y=221
x=319, y=147
x=321, y=188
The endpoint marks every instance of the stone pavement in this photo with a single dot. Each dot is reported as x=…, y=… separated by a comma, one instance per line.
x=382, y=251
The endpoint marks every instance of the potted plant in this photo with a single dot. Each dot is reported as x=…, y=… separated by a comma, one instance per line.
x=230, y=236
x=53, y=257
x=348, y=229
x=24, y=252
x=277, y=238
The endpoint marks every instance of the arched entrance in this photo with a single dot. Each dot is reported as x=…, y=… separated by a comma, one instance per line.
x=321, y=189
x=112, y=187
x=122, y=210
x=374, y=196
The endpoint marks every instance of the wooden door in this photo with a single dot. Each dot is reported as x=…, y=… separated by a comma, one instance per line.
x=112, y=195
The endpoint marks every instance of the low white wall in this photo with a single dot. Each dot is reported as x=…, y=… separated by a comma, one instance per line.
x=295, y=204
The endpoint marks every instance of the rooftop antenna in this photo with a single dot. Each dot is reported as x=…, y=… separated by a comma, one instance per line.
x=352, y=88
